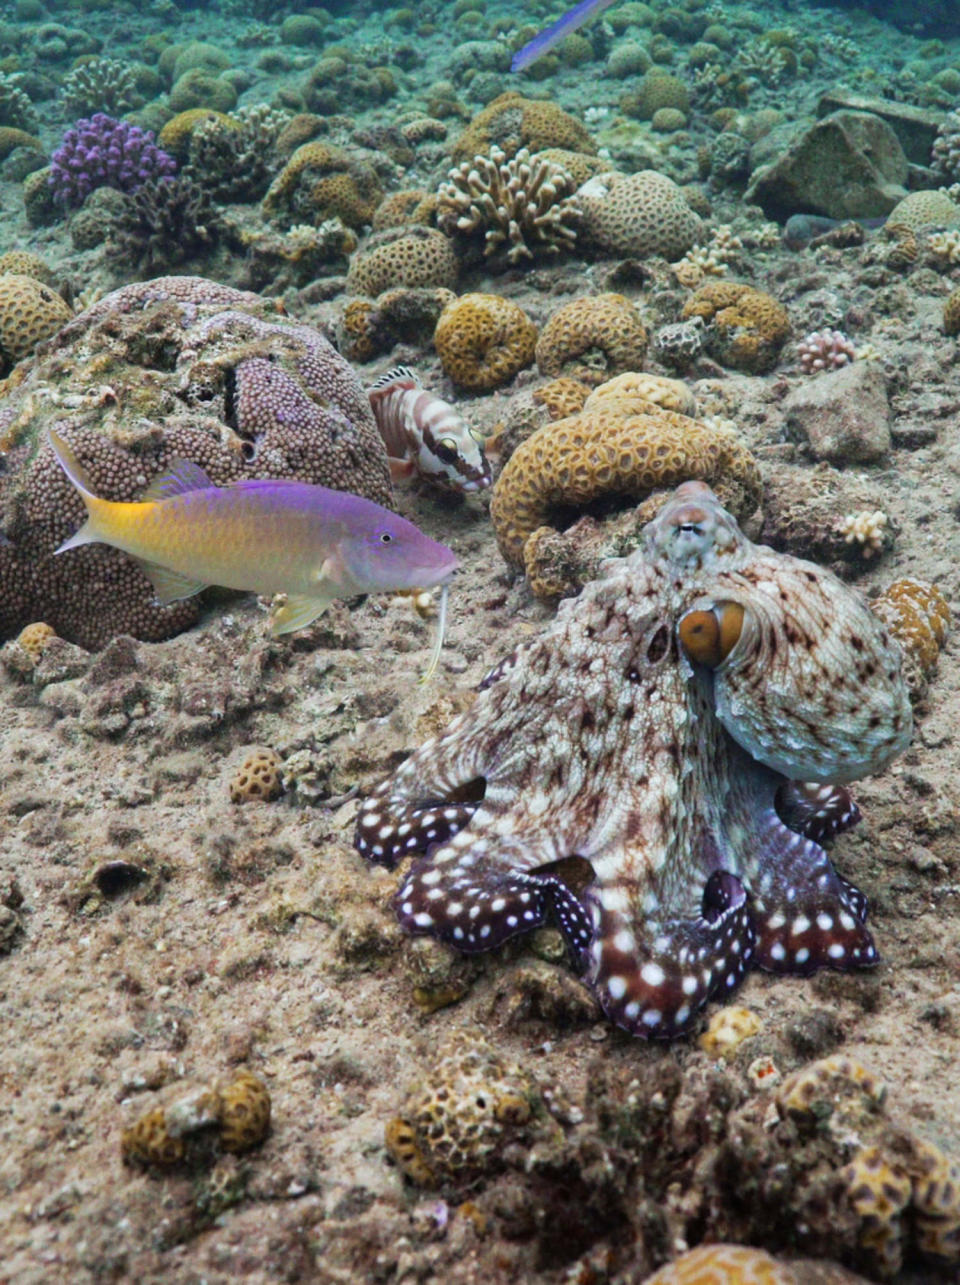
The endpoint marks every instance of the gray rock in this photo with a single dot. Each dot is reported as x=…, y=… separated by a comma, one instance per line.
x=916, y=127
x=843, y=415
x=850, y=165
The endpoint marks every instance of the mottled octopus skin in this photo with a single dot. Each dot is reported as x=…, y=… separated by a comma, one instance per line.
x=677, y=781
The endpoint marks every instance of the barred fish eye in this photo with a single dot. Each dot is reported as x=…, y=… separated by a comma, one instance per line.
x=446, y=449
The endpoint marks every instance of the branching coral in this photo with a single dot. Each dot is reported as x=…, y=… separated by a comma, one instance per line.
x=16, y=109
x=945, y=157
x=523, y=207
x=165, y=222
x=867, y=529
x=100, y=85
x=103, y=152
x=235, y=158
x=825, y=349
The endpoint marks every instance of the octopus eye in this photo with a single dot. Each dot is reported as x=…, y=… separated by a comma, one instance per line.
x=708, y=637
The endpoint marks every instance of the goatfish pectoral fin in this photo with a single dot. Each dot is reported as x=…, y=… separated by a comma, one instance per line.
x=168, y=586
x=399, y=469
x=298, y=611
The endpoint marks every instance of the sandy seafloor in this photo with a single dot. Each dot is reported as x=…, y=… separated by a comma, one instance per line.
x=258, y=937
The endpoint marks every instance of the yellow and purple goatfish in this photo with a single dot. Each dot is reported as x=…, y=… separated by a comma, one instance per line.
x=268, y=537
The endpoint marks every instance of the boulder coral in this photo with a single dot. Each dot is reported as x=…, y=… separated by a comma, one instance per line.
x=638, y=215
x=179, y=367
x=592, y=338
x=29, y=312
x=405, y=256
x=483, y=341
x=512, y=121
x=321, y=181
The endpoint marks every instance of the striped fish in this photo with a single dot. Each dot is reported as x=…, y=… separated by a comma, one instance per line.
x=425, y=434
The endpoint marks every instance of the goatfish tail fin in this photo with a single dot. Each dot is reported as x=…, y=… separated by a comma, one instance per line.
x=67, y=459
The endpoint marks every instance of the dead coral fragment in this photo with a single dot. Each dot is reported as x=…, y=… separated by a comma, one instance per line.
x=258, y=777
x=522, y=207
x=168, y=1137
x=483, y=341
x=593, y=338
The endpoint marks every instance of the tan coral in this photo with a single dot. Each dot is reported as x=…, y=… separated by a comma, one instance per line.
x=178, y=131
x=744, y=328
x=484, y=340
x=321, y=181
x=578, y=165
x=29, y=312
x=26, y=264
x=951, y=314
x=919, y=617
x=244, y=1113
x=640, y=215
x=411, y=205
x=407, y=256
x=638, y=386
x=258, y=777
x=562, y=396
x=592, y=338
x=879, y=1193
x=612, y=451
x=819, y=1086
x=905, y=250
x=36, y=638
x=727, y=1030
x=724, y=1265
x=512, y=121
x=459, y=1115
x=927, y=208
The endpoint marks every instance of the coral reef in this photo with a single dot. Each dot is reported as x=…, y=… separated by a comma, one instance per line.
x=591, y=339
x=103, y=152
x=521, y=208
x=179, y=367
x=483, y=341
x=743, y=327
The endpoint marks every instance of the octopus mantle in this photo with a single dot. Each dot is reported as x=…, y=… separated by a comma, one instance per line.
x=656, y=773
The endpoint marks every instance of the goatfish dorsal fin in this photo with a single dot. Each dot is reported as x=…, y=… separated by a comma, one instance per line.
x=182, y=476
x=169, y=586
x=392, y=375
x=298, y=611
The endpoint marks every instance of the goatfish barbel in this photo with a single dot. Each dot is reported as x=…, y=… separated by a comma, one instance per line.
x=571, y=21
x=269, y=537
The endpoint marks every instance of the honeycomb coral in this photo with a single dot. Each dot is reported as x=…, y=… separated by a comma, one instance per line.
x=639, y=215
x=512, y=121
x=244, y=1113
x=951, y=314
x=562, y=397
x=483, y=341
x=879, y=1194
x=613, y=450
x=743, y=327
x=457, y=1118
x=25, y=264
x=925, y=209
x=405, y=256
x=29, y=312
x=320, y=182
x=639, y=387
x=176, y=367
x=724, y=1265
x=36, y=638
x=659, y=89
x=410, y=205
x=520, y=208
x=258, y=777
x=592, y=338
x=918, y=616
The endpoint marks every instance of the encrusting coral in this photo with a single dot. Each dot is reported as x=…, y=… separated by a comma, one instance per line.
x=521, y=208
x=178, y=367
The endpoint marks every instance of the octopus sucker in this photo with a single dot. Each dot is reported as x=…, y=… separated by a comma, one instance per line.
x=656, y=775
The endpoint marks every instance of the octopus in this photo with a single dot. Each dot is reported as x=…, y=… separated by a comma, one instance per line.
x=657, y=773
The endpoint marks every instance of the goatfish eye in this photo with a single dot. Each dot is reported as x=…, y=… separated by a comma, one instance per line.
x=446, y=450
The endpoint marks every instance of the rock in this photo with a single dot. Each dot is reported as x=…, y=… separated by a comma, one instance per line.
x=843, y=415
x=850, y=165
x=915, y=127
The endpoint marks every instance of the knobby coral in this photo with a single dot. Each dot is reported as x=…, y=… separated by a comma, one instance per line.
x=103, y=152
x=522, y=207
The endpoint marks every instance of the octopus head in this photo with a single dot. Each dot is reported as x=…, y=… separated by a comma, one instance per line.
x=691, y=527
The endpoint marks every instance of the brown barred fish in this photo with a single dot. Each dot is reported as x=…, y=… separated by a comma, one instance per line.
x=425, y=434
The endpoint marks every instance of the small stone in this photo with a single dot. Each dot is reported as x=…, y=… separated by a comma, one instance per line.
x=843, y=414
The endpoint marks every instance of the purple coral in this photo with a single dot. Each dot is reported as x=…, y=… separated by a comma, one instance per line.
x=825, y=349
x=104, y=152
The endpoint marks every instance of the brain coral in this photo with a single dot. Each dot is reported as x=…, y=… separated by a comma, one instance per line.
x=483, y=341
x=173, y=368
x=321, y=182
x=512, y=121
x=404, y=256
x=744, y=328
x=29, y=311
x=592, y=338
x=640, y=215
x=925, y=209
x=611, y=449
